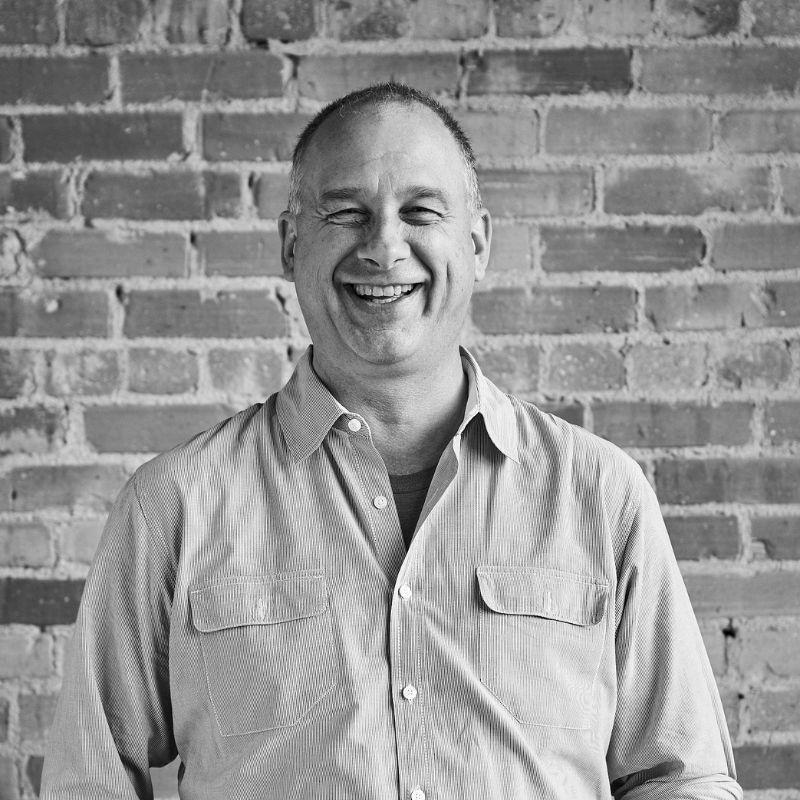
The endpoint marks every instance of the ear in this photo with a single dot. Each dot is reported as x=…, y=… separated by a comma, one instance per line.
x=287, y=228
x=481, y=234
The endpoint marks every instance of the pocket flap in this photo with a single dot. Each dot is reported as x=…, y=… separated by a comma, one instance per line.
x=259, y=601
x=564, y=596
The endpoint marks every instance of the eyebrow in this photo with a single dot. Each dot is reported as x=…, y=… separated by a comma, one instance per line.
x=417, y=192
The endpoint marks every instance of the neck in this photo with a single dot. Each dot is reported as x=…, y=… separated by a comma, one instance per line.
x=412, y=415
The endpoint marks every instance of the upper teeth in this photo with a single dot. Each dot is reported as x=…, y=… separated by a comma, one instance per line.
x=382, y=291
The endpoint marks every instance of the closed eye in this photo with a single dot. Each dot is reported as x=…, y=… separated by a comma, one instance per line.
x=348, y=216
x=421, y=215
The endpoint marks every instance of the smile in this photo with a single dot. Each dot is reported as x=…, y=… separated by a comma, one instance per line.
x=381, y=294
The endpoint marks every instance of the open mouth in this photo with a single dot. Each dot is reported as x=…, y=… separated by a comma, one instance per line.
x=383, y=294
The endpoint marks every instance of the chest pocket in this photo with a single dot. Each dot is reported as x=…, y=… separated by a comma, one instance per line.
x=541, y=642
x=268, y=648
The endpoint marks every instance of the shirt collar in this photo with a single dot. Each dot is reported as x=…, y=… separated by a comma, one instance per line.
x=307, y=410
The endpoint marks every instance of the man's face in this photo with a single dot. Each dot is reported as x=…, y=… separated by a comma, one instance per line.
x=385, y=250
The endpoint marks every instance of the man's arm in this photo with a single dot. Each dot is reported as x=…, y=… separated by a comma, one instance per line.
x=113, y=718
x=669, y=738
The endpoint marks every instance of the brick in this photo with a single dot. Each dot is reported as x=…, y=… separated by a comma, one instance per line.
x=511, y=248
x=631, y=131
x=694, y=18
x=750, y=365
x=23, y=655
x=251, y=137
x=782, y=300
x=329, y=77
x=24, y=544
x=239, y=253
x=774, y=710
x=85, y=372
x=524, y=193
x=734, y=595
x=287, y=20
x=252, y=373
x=36, y=712
x=192, y=22
x=53, y=80
x=90, y=487
x=585, y=367
x=207, y=77
x=6, y=130
x=223, y=194
x=579, y=309
x=661, y=367
x=229, y=315
x=733, y=480
x=779, y=536
x=782, y=422
x=630, y=249
x=775, y=17
x=685, y=190
x=718, y=70
x=271, y=194
x=773, y=651
x=571, y=412
x=698, y=537
x=790, y=180
x=9, y=783
x=29, y=430
x=64, y=137
x=568, y=71
x=28, y=22
x=632, y=424
x=500, y=134
x=79, y=539
x=148, y=429
x=704, y=307
x=34, y=192
x=513, y=367
x=100, y=22
x=154, y=371
x=714, y=643
x=16, y=373
x=66, y=314
x=519, y=18
x=756, y=247
x=33, y=769
x=618, y=18
x=774, y=766
x=3, y=731
x=761, y=131
x=31, y=601
x=731, y=701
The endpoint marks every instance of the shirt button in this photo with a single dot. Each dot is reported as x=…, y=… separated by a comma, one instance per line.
x=380, y=501
x=405, y=591
x=409, y=692
x=417, y=794
x=354, y=425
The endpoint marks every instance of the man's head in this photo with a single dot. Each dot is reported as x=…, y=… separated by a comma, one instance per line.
x=385, y=236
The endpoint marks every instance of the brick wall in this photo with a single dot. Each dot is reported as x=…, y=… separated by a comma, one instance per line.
x=642, y=160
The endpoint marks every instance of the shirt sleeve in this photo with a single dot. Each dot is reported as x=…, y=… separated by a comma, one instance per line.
x=113, y=719
x=669, y=738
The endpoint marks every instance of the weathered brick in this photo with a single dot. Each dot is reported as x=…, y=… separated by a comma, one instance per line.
x=155, y=371
x=571, y=412
x=33, y=769
x=148, y=429
x=64, y=137
x=34, y=192
x=699, y=537
x=29, y=430
x=630, y=249
x=761, y=131
x=239, y=253
x=617, y=18
x=551, y=310
x=9, y=783
x=329, y=77
x=151, y=77
x=734, y=595
x=92, y=487
x=716, y=70
x=714, y=643
x=99, y=22
x=731, y=702
x=663, y=366
x=790, y=180
x=192, y=22
x=88, y=372
x=568, y=71
x=533, y=18
x=253, y=373
x=775, y=17
x=705, y=307
x=287, y=20
x=628, y=130
x=585, y=367
x=782, y=422
x=28, y=22
x=16, y=373
x=25, y=655
x=229, y=315
x=774, y=651
x=500, y=134
x=733, y=480
x=79, y=539
x=25, y=544
x=524, y=193
x=223, y=194
x=753, y=365
x=53, y=80
x=36, y=713
x=513, y=367
x=5, y=140
x=31, y=601
x=66, y=314
x=693, y=18
x=779, y=536
x=774, y=710
x=511, y=248
x=685, y=190
x=251, y=137
x=782, y=299
x=773, y=766
x=756, y=247
x=271, y=194
x=4, y=708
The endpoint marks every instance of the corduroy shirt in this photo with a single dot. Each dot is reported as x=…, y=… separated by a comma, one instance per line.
x=253, y=609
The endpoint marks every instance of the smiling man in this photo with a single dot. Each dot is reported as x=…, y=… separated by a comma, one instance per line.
x=390, y=580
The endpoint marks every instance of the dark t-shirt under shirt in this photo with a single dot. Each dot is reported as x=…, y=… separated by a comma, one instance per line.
x=410, y=492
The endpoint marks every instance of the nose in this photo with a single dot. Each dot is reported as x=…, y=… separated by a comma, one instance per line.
x=384, y=244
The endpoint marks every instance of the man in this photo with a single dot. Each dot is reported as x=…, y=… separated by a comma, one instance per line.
x=391, y=579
